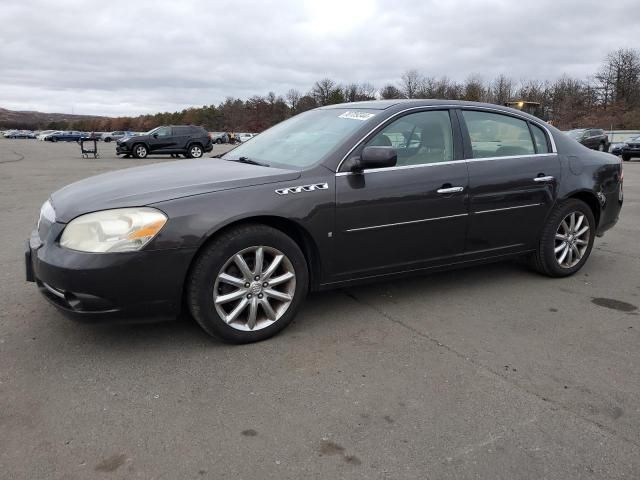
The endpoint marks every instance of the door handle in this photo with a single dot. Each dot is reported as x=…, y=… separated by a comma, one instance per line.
x=547, y=178
x=450, y=190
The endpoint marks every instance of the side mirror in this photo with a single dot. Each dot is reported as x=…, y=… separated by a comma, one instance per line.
x=373, y=157
x=155, y=135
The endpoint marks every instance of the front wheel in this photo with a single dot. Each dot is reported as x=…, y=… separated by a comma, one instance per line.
x=566, y=240
x=107, y=140
x=140, y=151
x=248, y=284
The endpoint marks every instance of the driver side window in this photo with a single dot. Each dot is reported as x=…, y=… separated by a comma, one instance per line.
x=418, y=138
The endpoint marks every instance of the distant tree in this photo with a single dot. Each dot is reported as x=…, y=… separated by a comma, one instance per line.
x=474, y=89
x=324, y=91
x=501, y=90
x=293, y=97
x=411, y=82
x=390, y=92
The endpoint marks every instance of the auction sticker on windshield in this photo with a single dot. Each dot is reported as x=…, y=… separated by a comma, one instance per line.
x=362, y=116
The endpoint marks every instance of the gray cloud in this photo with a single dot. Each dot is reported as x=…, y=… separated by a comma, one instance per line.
x=129, y=57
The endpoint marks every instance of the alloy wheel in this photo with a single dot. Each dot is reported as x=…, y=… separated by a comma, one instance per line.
x=254, y=288
x=196, y=151
x=141, y=151
x=572, y=239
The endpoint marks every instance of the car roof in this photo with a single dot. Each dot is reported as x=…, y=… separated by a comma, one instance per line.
x=399, y=105
x=422, y=102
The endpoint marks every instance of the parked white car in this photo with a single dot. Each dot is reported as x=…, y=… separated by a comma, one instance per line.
x=42, y=134
x=246, y=136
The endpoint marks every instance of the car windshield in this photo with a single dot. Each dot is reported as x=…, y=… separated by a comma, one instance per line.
x=150, y=132
x=304, y=139
x=575, y=133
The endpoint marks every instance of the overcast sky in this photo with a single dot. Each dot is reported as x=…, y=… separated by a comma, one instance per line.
x=132, y=57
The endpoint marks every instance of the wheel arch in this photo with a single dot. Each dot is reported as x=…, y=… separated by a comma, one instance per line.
x=289, y=227
x=591, y=200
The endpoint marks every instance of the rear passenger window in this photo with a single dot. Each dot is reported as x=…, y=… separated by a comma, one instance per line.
x=540, y=139
x=496, y=135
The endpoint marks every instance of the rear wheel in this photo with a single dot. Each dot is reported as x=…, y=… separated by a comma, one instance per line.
x=108, y=139
x=601, y=147
x=626, y=158
x=140, y=151
x=248, y=284
x=195, y=151
x=566, y=240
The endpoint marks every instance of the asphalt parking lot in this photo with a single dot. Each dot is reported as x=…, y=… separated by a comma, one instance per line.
x=489, y=372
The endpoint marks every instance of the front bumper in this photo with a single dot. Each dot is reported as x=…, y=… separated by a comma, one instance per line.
x=123, y=148
x=133, y=286
x=631, y=151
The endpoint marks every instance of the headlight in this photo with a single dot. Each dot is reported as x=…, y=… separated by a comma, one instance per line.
x=120, y=230
x=47, y=212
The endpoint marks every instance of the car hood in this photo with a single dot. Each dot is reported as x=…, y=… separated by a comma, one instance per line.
x=141, y=186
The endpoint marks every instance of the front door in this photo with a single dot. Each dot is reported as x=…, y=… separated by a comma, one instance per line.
x=160, y=139
x=513, y=182
x=409, y=216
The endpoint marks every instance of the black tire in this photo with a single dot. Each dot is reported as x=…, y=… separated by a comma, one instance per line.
x=602, y=147
x=108, y=139
x=209, y=263
x=543, y=260
x=626, y=158
x=219, y=141
x=140, y=150
x=54, y=139
x=195, y=150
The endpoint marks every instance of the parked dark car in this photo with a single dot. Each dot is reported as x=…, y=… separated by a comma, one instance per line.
x=64, y=136
x=630, y=149
x=188, y=140
x=594, y=138
x=329, y=198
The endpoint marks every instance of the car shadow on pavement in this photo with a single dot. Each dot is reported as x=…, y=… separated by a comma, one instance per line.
x=321, y=310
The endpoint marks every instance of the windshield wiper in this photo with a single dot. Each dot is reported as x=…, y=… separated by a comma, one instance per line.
x=248, y=161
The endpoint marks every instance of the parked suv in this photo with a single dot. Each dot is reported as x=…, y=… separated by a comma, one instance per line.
x=188, y=140
x=630, y=149
x=593, y=138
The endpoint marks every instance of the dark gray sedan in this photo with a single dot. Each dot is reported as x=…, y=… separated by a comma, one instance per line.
x=332, y=197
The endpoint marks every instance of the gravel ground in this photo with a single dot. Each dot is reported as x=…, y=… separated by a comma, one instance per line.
x=489, y=372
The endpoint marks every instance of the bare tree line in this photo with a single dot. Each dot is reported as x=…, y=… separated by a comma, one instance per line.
x=608, y=98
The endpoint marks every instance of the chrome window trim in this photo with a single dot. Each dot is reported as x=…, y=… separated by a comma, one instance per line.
x=435, y=164
x=554, y=149
x=506, y=208
x=422, y=220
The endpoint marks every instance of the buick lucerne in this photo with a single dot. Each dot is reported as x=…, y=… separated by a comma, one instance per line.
x=331, y=197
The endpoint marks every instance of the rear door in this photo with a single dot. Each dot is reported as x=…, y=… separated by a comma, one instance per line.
x=513, y=181
x=409, y=216
x=181, y=136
